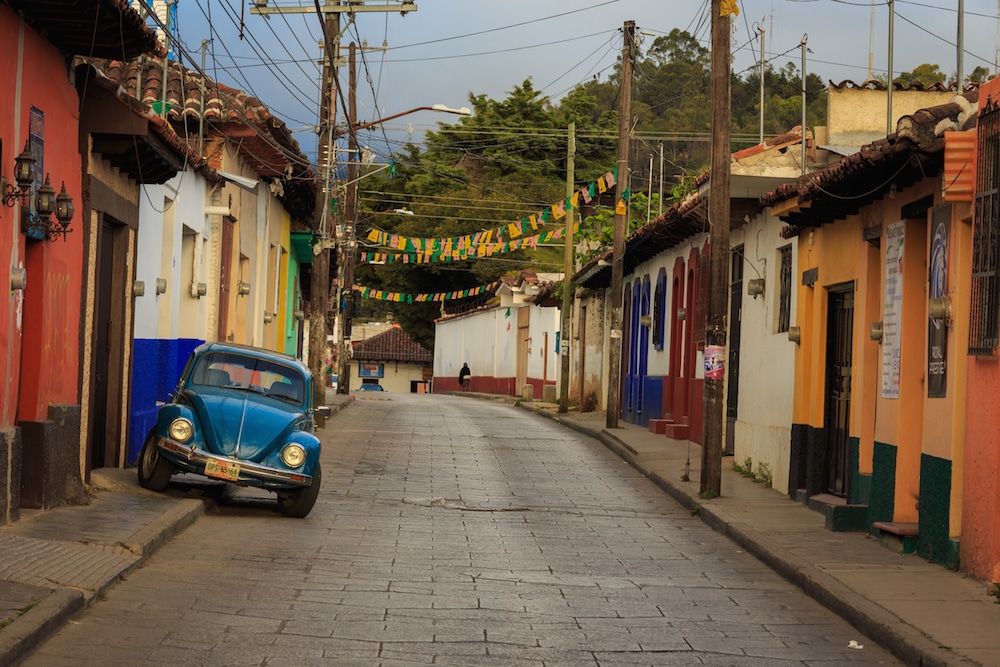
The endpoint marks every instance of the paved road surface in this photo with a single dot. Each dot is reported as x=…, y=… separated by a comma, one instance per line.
x=452, y=531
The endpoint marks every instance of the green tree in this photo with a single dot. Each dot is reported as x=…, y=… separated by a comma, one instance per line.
x=926, y=74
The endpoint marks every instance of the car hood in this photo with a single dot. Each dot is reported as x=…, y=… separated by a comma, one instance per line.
x=243, y=424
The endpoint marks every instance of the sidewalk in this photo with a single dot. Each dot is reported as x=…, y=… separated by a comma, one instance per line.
x=923, y=613
x=55, y=562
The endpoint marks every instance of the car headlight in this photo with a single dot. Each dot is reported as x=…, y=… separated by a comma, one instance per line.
x=181, y=429
x=293, y=455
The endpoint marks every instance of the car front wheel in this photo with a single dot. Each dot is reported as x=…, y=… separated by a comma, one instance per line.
x=154, y=470
x=299, y=503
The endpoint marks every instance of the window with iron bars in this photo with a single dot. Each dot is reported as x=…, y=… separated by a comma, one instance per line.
x=983, y=316
x=785, y=295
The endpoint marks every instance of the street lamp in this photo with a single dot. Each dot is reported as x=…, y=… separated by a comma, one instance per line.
x=440, y=108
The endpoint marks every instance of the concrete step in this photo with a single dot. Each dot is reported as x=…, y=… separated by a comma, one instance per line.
x=897, y=536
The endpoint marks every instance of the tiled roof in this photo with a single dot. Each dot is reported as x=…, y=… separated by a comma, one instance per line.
x=141, y=159
x=914, y=152
x=264, y=141
x=91, y=28
x=875, y=84
x=393, y=345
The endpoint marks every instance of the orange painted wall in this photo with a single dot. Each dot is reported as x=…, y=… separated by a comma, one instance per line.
x=980, y=545
x=40, y=362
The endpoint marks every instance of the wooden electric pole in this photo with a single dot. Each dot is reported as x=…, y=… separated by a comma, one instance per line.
x=346, y=301
x=621, y=223
x=718, y=280
x=319, y=281
x=568, y=266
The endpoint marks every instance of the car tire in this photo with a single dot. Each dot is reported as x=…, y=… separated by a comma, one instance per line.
x=297, y=504
x=154, y=470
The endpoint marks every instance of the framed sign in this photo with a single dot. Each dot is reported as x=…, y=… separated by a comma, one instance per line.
x=366, y=370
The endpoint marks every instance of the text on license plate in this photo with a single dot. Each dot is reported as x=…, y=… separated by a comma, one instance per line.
x=222, y=469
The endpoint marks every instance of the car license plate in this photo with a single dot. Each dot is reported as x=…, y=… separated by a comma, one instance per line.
x=222, y=469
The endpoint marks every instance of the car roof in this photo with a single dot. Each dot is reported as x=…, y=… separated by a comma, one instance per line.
x=250, y=350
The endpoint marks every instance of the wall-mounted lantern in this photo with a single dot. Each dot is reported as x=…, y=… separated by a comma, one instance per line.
x=268, y=318
x=24, y=174
x=681, y=313
x=139, y=288
x=202, y=289
x=161, y=286
x=875, y=332
x=646, y=320
x=243, y=288
x=755, y=287
x=794, y=335
x=38, y=225
x=18, y=278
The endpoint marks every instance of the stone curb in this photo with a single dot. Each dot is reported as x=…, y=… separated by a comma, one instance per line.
x=33, y=627
x=904, y=641
x=145, y=541
x=30, y=630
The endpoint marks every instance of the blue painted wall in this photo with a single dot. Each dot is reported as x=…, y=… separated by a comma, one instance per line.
x=652, y=398
x=156, y=366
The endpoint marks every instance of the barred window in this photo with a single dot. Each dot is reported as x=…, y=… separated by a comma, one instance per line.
x=983, y=320
x=785, y=295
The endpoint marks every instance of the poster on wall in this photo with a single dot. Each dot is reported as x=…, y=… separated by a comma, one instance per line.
x=893, y=308
x=937, y=330
x=366, y=370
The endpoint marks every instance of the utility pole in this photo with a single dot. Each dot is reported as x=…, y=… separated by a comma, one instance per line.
x=805, y=40
x=718, y=280
x=329, y=15
x=888, y=86
x=621, y=222
x=346, y=301
x=568, y=269
x=319, y=282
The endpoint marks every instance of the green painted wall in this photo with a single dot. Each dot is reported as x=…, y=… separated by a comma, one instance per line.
x=883, y=483
x=934, y=541
x=861, y=484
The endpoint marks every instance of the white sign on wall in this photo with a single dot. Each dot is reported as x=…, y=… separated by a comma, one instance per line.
x=893, y=309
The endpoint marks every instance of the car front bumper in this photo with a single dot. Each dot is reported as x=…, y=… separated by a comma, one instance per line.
x=192, y=459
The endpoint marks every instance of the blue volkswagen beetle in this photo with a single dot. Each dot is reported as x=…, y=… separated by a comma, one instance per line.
x=240, y=414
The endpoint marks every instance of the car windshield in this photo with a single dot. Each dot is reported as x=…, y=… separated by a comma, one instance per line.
x=238, y=371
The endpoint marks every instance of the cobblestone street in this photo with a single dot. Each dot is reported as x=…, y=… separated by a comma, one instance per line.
x=457, y=532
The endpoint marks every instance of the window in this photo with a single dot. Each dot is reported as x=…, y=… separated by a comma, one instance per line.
x=983, y=329
x=785, y=284
x=659, y=309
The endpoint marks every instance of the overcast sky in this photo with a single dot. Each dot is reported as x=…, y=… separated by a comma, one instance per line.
x=448, y=49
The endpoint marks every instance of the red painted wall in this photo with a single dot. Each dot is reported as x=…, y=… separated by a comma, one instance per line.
x=40, y=359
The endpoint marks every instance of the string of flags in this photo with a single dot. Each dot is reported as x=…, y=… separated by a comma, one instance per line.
x=399, y=297
x=481, y=250
x=508, y=233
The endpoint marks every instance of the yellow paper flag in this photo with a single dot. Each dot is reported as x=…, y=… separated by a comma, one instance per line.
x=729, y=8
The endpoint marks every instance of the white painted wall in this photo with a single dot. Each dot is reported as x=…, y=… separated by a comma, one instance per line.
x=482, y=339
x=166, y=211
x=767, y=357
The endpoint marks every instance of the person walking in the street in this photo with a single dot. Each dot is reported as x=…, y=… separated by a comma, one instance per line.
x=463, y=377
